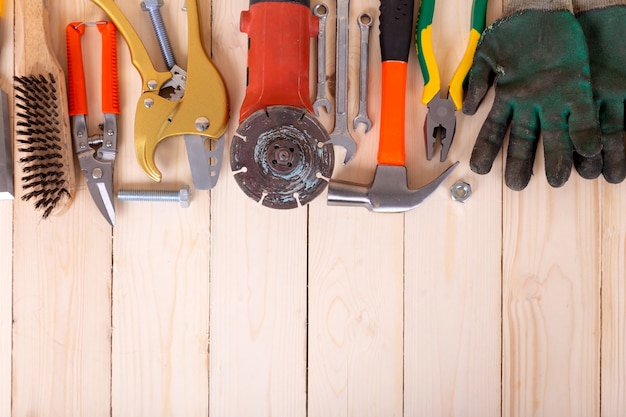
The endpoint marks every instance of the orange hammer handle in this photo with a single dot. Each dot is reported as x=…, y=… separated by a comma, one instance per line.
x=391, y=150
x=396, y=24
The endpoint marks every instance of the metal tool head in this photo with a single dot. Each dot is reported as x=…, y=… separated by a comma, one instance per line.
x=205, y=157
x=321, y=12
x=345, y=141
x=279, y=157
x=441, y=121
x=96, y=159
x=388, y=193
x=6, y=158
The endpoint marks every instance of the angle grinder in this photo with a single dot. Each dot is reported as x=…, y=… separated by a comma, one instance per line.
x=279, y=154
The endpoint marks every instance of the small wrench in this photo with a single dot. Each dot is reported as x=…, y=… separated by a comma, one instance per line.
x=341, y=136
x=365, y=22
x=321, y=12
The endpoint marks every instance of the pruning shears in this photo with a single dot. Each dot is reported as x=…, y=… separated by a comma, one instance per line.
x=441, y=110
x=96, y=154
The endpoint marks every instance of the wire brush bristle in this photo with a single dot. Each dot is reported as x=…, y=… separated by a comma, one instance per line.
x=39, y=142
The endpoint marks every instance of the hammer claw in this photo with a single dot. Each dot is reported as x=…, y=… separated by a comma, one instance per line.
x=388, y=193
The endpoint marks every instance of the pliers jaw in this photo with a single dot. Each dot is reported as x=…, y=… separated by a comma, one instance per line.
x=440, y=122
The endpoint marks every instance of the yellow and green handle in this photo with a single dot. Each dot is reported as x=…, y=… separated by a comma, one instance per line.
x=426, y=55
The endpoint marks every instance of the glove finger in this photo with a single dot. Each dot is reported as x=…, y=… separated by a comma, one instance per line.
x=614, y=157
x=479, y=81
x=588, y=167
x=522, y=148
x=559, y=156
x=490, y=137
x=613, y=152
x=584, y=129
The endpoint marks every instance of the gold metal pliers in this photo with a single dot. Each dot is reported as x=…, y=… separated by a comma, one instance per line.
x=198, y=110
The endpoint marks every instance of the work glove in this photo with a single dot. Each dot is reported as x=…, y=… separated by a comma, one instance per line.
x=536, y=58
x=604, y=25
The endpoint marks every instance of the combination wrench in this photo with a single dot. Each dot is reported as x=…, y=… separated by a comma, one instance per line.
x=365, y=22
x=321, y=12
x=341, y=135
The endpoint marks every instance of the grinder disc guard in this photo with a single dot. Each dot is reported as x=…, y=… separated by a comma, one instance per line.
x=279, y=157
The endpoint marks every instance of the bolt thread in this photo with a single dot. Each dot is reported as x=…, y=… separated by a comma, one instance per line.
x=148, y=195
x=161, y=34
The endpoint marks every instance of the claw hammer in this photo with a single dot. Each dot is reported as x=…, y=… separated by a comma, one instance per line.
x=389, y=191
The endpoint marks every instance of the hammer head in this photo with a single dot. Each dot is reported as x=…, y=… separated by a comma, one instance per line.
x=388, y=193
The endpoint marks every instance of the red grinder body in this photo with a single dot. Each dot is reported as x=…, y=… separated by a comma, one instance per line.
x=279, y=52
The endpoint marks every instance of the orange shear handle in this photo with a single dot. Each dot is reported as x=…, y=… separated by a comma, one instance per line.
x=76, y=70
x=110, y=85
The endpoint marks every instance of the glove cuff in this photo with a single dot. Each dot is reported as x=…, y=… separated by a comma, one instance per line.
x=586, y=5
x=513, y=6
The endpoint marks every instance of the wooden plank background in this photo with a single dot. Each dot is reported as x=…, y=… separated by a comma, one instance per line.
x=512, y=304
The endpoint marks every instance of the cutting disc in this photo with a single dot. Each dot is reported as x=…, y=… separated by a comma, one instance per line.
x=279, y=158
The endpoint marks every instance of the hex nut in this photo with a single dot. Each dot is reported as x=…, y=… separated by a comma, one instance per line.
x=460, y=191
x=185, y=196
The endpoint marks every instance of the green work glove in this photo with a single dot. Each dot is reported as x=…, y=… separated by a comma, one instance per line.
x=537, y=60
x=604, y=25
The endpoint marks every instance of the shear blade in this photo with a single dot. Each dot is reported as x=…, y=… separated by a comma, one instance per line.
x=205, y=163
x=102, y=194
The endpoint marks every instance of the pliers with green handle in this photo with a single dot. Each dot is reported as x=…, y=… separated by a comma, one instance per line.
x=441, y=111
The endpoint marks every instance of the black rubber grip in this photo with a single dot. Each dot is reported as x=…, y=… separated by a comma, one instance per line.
x=306, y=3
x=396, y=29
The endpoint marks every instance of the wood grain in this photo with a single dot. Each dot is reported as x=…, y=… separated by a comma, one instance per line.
x=551, y=297
x=62, y=289
x=453, y=282
x=355, y=271
x=258, y=274
x=613, y=370
x=161, y=258
x=512, y=304
x=6, y=226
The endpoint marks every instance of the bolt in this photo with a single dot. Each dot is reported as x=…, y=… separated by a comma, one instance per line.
x=183, y=196
x=202, y=124
x=152, y=84
x=148, y=102
x=96, y=174
x=152, y=7
x=460, y=191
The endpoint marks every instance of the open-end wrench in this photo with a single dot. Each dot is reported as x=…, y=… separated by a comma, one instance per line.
x=321, y=12
x=341, y=135
x=365, y=21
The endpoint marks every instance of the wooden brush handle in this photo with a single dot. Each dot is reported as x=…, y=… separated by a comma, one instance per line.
x=37, y=55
